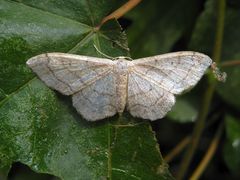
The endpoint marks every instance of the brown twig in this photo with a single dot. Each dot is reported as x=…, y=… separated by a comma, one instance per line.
x=121, y=11
x=197, y=132
x=230, y=63
x=208, y=156
x=178, y=149
x=186, y=140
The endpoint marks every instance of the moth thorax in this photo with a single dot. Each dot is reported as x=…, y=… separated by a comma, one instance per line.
x=121, y=70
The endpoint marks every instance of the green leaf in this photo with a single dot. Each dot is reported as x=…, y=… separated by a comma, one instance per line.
x=30, y=29
x=183, y=111
x=232, y=144
x=39, y=127
x=230, y=90
x=205, y=27
x=159, y=24
x=187, y=105
x=42, y=130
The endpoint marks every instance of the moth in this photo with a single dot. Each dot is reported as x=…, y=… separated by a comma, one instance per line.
x=102, y=87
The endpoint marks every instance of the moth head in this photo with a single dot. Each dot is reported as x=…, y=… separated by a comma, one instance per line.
x=122, y=58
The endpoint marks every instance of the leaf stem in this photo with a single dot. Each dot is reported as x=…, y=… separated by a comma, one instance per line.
x=200, y=122
x=121, y=11
x=219, y=31
x=230, y=63
x=179, y=147
x=197, y=131
x=208, y=156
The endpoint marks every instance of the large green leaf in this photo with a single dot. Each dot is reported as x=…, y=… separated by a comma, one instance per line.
x=39, y=127
x=27, y=30
x=42, y=130
x=232, y=144
x=230, y=51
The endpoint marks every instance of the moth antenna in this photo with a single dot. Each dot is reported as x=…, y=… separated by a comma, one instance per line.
x=109, y=57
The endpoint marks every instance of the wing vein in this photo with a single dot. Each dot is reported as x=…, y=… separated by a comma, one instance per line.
x=91, y=81
x=143, y=76
x=171, y=69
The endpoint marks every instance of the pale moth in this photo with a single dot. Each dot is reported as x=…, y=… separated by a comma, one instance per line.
x=102, y=87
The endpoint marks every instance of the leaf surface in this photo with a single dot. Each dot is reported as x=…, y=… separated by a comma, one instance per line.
x=39, y=127
x=232, y=144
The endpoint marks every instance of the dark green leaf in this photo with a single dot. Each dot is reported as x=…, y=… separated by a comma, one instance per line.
x=26, y=31
x=232, y=144
x=230, y=90
x=183, y=111
x=158, y=25
x=39, y=127
x=5, y=167
x=187, y=105
x=44, y=131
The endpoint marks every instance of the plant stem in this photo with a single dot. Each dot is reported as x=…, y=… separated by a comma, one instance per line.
x=121, y=11
x=219, y=31
x=198, y=128
x=185, y=141
x=230, y=63
x=200, y=122
x=208, y=156
x=178, y=149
